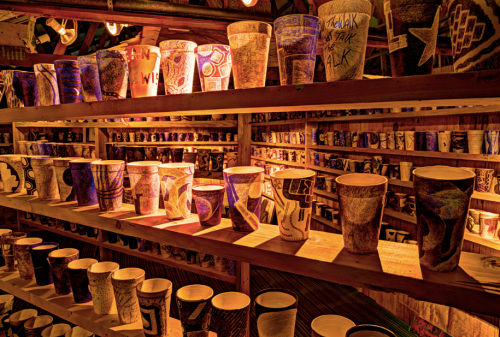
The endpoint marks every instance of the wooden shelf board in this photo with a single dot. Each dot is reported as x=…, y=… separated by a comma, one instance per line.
x=193, y=268
x=451, y=89
x=291, y=121
x=332, y=224
x=486, y=196
x=413, y=114
x=297, y=146
x=209, y=143
x=143, y=124
x=279, y=162
x=426, y=154
x=476, y=238
x=6, y=144
x=395, y=268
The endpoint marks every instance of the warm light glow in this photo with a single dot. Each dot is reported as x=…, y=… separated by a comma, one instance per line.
x=249, y=3
x=68, y=36
x=115, y=28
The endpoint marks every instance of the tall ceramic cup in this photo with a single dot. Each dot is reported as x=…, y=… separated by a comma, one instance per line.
x=330, y=325
x=214, y=67
x=113, y=74
x=412, y=31
x=78, y=331
x=344, y=29
x=69, y=81
x=59, y=260
x=475, y=140
x=244, y=192
x=35, y=325
x=125, y=282
x=108, y=179
x=193, y=303
x=276, y=311
x=11, y=170
x=443, y=196
x=89, y=72
x=23, y=257
x=46, y=81
x=209, y=203
x=6, y=305
x=296, y=40
x=491, y=140
x=145, y=185
x=154, y=299
x=485, y=179
x=64, y=177
x=3, y=231
x=45, y=178
x=8, y=240
x=39, y=255
x=249, y=42
x=177, y=62
x=176, y=183
x=361, y=202
x=12, y=88
x=144, y=70
x=29, y=88
x=83, y=181
x=18, y=319
x=77, y=271
x=99, y=276
x=293, y=194
x=230, y=314
x=444, y=140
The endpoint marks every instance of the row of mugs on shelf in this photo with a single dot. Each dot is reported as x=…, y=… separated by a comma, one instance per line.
x=51, y=149
x=296, y=156
x=483, y=223
x=261, y=117
x=27, y=323
x=6, y=137
x=287, y=137
x=108, y=287
x=458, y=141
x=359, y=112
x=172, y=137
x=59, y=137
x=206, y=159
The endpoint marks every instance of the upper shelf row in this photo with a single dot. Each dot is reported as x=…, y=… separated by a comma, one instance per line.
x=456, y=89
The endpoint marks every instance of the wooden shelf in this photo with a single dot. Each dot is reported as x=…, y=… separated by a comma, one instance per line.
x=6, y=144
x=81, y=314
x=476, y=238
x=332, y=224
x=143, y=124
x=193, y=268
x=297, y=146
x=395, y=268
x=279, y=162
x=451, y=89
x=287, y=122
x=209, y=143
x=427, y=154
x=413, y=114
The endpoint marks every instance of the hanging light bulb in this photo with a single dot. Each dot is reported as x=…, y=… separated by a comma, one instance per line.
x=115, y=28
x=68, y=36
x=249, y=3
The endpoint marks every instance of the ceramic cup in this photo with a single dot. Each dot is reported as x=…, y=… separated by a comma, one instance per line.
x=56, y=330
x=78, y=331
x=491, y=140
x=35, y=325
x=59, y=260
x=230, y=314
x=176, y=182
x=475, y=141
x=484, y=179
x=402, y=236
x=459, y=141
x=39, y=255
x=488, y=223
x=7, y=240
x=410, y=140
x=444, y=139
x=99, y=276
x=77, y=271
x=64, y=177
x=209, y=203
x=83, y=181
x=23, y=257
x=194, y=306
x=18, y=319
x=365, y=330
x=12, y=173
x=330, y=326
x=154, y=299
x=108, y=179
x=391, y=234
x=125, y=282
x=276, y=312
x=145, y=185
x=405, y=170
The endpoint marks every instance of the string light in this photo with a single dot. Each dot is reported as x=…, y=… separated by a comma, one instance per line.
x=115, y=28
x=249, y=3
x=68, y=36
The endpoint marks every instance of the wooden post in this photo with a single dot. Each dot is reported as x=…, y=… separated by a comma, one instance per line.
x=105, y=254
x=101, y=138
x=244, y=139
x=243, y=282
x=16, y=137
x=20, y=226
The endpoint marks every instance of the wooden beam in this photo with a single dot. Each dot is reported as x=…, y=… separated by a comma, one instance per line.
x=394, y=268
x=89, y=37
x=60, y=48
x=456, y=89
x=301, y=7
x=31, y=59
x=150, y=35
x=104, y=38
x=11, y=34
x=285, y=7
